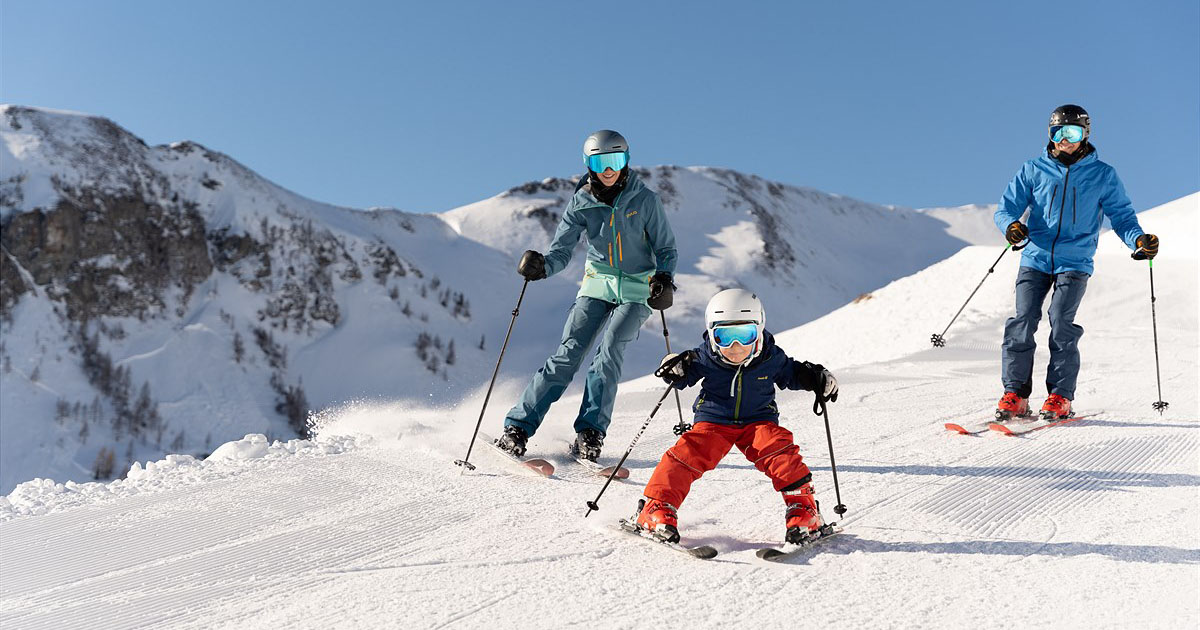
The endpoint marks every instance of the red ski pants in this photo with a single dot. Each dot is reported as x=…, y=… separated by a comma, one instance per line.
x=766, y=444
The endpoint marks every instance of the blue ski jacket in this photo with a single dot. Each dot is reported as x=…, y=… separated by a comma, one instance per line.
x=628, y=242
x=1067, y=206
x=743, y=394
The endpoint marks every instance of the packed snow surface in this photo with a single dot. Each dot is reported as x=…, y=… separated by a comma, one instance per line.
x=1093, y=524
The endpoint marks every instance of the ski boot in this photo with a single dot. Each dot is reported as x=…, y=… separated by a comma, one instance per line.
x=659, y=519
x=513, y=440
x=587, y=445
x=1012, y=406
x=803, y=514
x=1056, y=408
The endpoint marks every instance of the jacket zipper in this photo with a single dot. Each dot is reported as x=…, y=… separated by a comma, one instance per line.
x=737, y=403
x=1061, y=210
x=616, y=238
x=1073, y=199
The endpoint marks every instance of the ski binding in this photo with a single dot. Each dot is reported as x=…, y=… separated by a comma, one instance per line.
x=791, y=550
x=703, y=552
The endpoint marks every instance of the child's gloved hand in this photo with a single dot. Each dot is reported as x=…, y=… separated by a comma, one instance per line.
x=674, y=366
x=829, y=386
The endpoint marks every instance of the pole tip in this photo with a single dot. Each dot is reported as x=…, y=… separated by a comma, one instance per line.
x=840, y=509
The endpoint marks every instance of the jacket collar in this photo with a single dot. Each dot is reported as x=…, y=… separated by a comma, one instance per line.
x=1092, y=156
x=585, y=199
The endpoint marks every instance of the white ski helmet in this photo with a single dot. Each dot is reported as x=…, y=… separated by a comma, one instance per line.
x=735, y=305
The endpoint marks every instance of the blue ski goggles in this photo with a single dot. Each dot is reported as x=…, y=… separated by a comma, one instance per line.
x=1070, y=133
x=600, y=162
x=725, y=335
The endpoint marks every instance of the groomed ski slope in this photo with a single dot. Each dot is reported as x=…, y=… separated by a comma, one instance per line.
x=1095, y=524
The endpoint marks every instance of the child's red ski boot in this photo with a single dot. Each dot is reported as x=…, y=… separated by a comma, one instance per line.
x=1056, y=408
x=1011, y=406
x=658, y=518
x=803, y=514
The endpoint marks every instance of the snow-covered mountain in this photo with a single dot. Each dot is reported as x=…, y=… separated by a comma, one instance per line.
x=1093, y=524
x=167, y=298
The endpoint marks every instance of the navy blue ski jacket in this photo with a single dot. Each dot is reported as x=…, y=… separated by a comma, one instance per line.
x=743, y=394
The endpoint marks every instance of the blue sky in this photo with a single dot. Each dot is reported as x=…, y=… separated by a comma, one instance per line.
x=429, y=106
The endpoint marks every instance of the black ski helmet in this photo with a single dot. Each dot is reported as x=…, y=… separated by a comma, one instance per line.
x=1071, y=115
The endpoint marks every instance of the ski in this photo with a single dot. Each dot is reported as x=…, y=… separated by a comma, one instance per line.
x=703, y=552
x=961, y=430
x=983, y=427
x=1015, y=429
x=539, y=466
x=791, y=550
x=603, y=471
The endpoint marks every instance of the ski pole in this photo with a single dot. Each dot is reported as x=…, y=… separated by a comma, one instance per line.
x=1161, y=405
x=840, y=508
x=595, y=504
x=682, y=427
x=466, y=461
x=939, y=341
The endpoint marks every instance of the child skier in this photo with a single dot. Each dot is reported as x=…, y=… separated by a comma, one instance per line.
x=740, y=366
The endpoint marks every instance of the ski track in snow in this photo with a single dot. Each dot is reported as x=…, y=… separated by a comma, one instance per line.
x=1094, y=524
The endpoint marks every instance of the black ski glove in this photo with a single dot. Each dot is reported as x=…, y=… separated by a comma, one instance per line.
x=662, y=292
x=816, y=377
x=1016, y=232
x=828, y=387
x=532, y=265
x=1147, y=247
x=673, y=368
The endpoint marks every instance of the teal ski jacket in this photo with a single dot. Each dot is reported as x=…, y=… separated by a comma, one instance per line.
x=628, y=242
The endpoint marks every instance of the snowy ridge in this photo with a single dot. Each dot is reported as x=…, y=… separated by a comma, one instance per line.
x=264, y=304
x=1100, y=512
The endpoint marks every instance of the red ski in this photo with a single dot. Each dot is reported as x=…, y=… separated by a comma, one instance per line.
x=961, y=430
x=1014, y=429
x=603, y=471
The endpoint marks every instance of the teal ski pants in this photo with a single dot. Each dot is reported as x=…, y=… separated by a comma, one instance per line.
x=584, y=323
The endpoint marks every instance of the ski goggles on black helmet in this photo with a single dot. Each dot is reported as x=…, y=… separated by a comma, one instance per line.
x=600, y=162
x=723, y=335
x=1070, y=133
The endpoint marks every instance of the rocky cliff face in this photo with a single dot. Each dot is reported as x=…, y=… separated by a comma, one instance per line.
x=114, y=243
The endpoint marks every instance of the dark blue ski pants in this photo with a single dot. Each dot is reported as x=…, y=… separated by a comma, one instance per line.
x=584, y=323
x=1019, y=345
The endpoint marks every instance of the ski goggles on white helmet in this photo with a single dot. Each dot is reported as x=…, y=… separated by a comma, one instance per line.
x=1070, y=133
x=600, y=162
x=725, y=334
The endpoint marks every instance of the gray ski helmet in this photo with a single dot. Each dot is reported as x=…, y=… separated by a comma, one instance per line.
x=1072, y=115
x=604, y=141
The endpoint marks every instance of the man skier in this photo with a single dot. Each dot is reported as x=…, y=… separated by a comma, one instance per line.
x=1068, y=192
x=630, y=263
